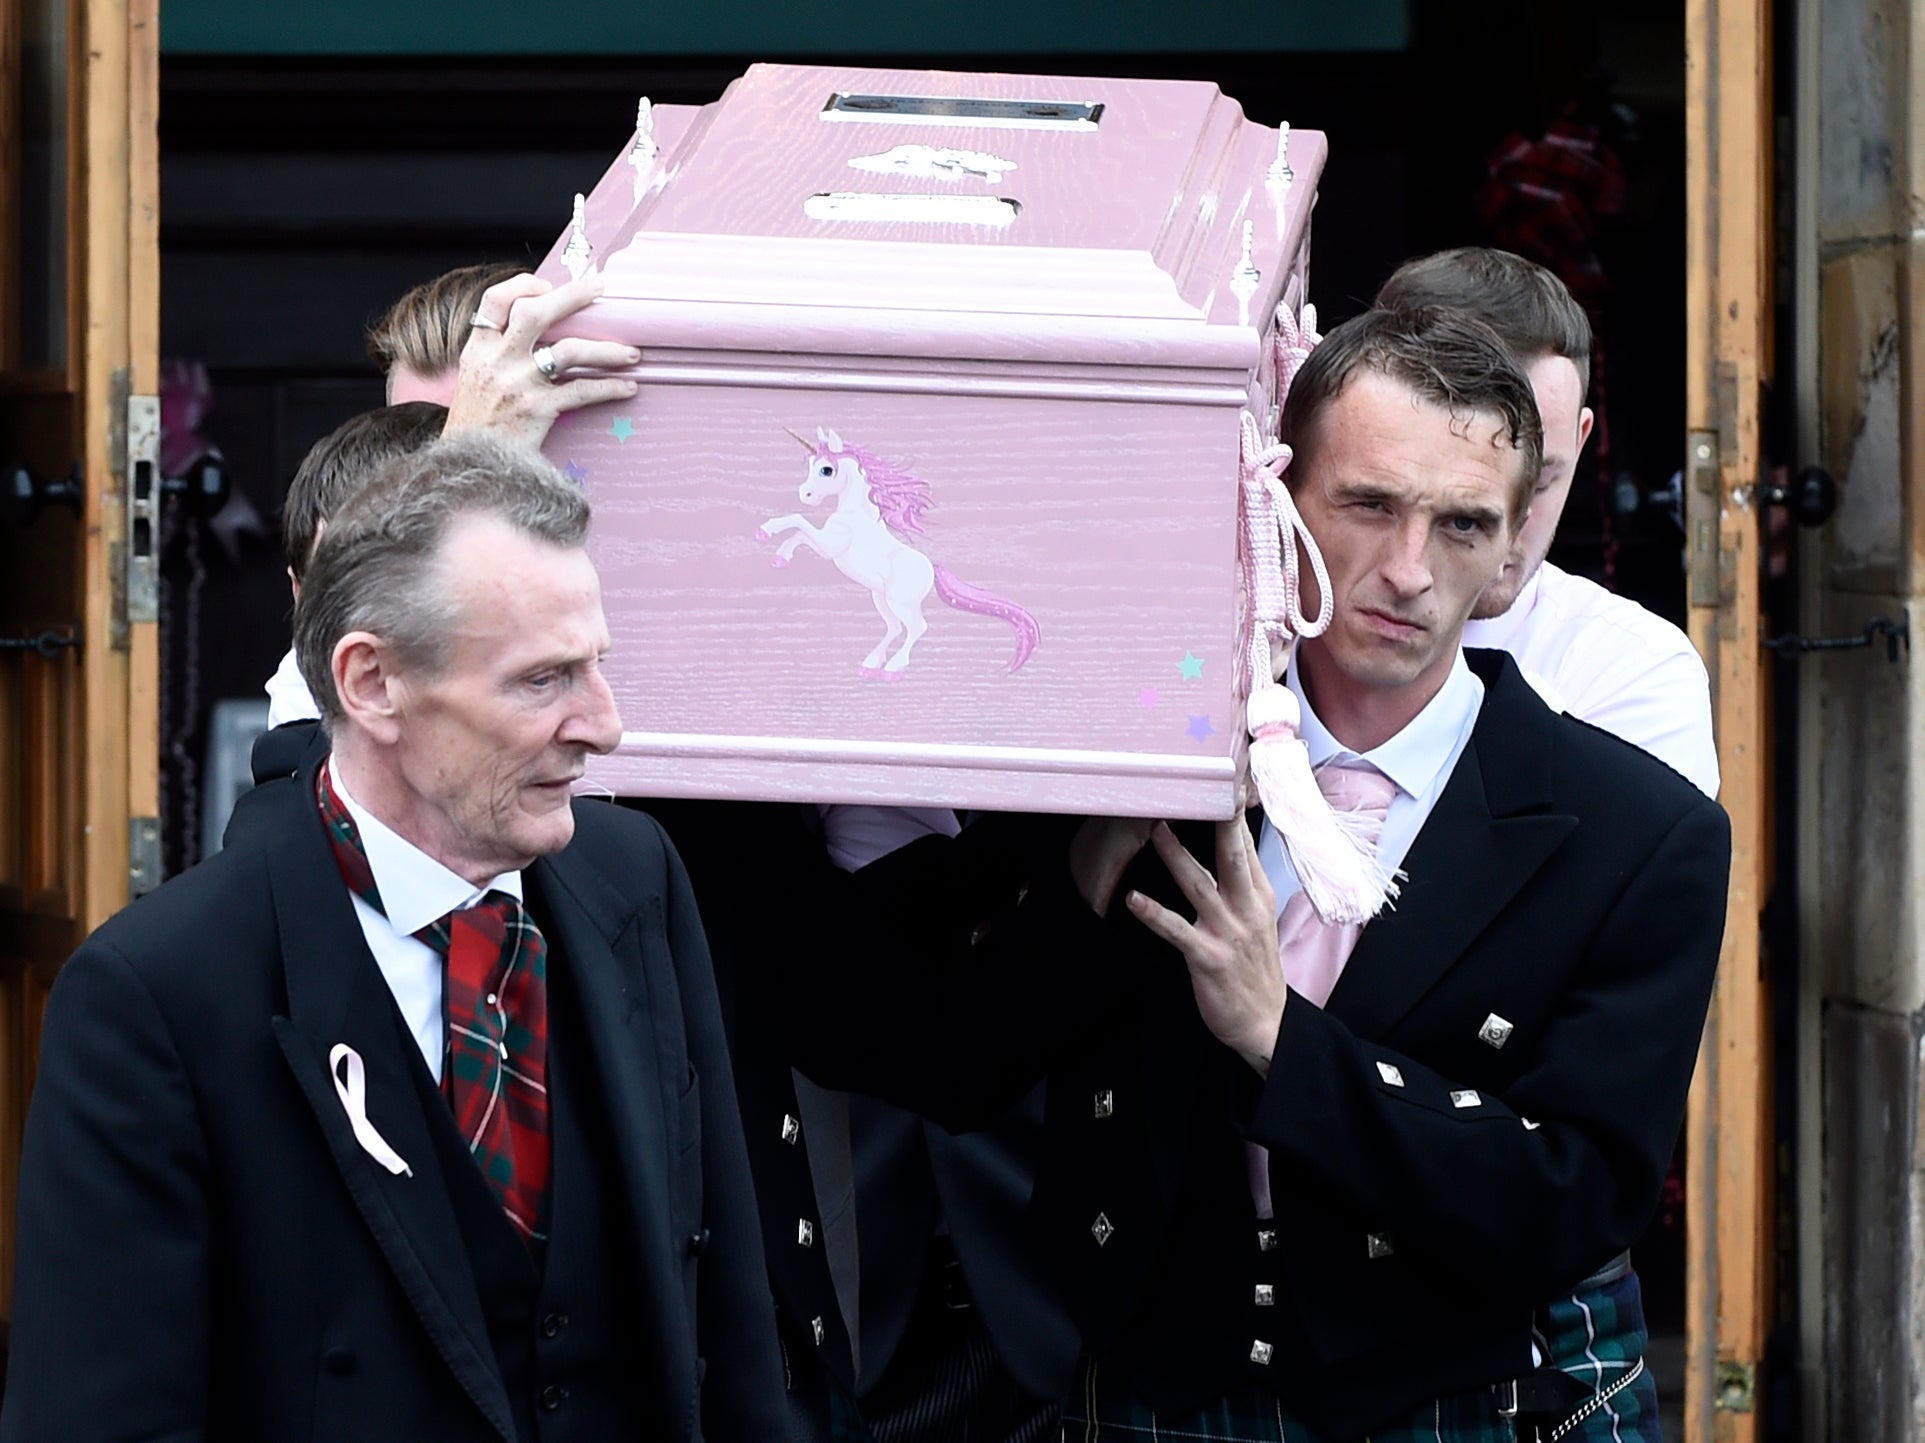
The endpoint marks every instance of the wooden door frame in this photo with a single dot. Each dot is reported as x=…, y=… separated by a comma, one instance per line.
x=1730, y=145
x=89, y=763
x=119, y=298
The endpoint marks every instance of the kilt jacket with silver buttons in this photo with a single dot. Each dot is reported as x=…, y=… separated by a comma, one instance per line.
x=1481, y=1115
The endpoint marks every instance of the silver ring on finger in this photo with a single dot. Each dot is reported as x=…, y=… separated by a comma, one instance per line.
x=483, y=323
x=546, y=363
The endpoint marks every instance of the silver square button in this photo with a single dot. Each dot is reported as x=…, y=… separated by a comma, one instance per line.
x=1102, y=1229
x=1261, y=1352
x=1390, y=1074
x=1466, y=1098
x=1378, y=1245
x=791, y=1129
x=1105, y=1103
x=1266, y=1240
x=805, y=1232
x=1496, y=1031
x=1266, y=1296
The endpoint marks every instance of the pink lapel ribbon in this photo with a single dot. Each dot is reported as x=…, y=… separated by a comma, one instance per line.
x=352, y=1089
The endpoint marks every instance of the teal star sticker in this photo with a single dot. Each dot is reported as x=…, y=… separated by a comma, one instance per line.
x=1191, y=666
x=622, y=429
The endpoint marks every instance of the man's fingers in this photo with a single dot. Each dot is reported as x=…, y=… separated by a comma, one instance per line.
x=498, y=302
x=592, y=391
x=534, y=314
x=1191, y=876
x=1233, y=856
x=573, y=354
x=1259, y=879
x=1164, y=923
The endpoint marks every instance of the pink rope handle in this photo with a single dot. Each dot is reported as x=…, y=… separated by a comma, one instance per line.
x=1272, y=576
x=1272, y=526
x=1291, y=345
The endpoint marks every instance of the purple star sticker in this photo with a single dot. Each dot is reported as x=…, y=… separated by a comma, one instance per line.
x=1199, y=729
x=576, y=472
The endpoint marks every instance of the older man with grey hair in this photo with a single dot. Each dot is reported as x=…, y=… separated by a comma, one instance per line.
x=413, y=1118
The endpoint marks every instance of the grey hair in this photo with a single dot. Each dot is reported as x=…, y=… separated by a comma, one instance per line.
x=376, y=568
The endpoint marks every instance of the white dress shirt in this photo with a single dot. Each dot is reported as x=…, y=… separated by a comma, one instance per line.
x=1419, y=759
x=288, y=698
x=417, y=891
x=857, y=835
x=1608, y=661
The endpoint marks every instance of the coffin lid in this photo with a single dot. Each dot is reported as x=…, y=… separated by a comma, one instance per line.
x=817, y=208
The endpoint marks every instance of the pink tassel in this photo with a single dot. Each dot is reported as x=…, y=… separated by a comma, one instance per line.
x=1334, y=853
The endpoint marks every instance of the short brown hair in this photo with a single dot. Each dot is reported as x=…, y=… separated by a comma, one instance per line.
x=1445, y=357
x=1531, y=310
x=342, y=460
x=375, y=570
x=426, y=329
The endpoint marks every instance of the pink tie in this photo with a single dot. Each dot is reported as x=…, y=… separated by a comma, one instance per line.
x=1313, y=953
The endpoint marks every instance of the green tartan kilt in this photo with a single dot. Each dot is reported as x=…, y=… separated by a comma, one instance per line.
x=1256, y=1415
x=1596, y=1336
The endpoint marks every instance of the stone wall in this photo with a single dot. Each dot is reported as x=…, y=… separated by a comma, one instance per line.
x=1869, y=973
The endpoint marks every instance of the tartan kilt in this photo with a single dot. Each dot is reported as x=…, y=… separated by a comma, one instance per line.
x=1598, y=1337
x=1099, y=1413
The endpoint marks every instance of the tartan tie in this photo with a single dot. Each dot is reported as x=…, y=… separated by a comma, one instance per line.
x=1312, y=951
x=495, y=1005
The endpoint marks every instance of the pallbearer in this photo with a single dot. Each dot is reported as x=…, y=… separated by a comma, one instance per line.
x=1299, y=1175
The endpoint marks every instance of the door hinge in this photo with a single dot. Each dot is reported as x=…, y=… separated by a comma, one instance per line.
x=143, y=856
x=141, y=550
x=1701, y=516
x=1736, y=1386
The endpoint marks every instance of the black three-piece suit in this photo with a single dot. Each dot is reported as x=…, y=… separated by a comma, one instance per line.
x=206, y=1251
x=1432, y=1186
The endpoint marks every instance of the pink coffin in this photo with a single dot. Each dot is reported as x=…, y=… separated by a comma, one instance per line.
x=1025, y=307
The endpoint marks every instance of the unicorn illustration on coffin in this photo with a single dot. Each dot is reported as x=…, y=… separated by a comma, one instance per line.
x=878, y=509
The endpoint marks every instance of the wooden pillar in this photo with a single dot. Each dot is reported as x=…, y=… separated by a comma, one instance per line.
x=1729, y=136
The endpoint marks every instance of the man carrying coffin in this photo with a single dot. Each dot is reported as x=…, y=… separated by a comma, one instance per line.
x=1309, y=1181
x=412, y=1119
x=1601, y=657
x=1604, y=659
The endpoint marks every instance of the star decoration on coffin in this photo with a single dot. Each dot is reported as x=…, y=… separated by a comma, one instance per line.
x=1199, y=729
x=1191, y=666
x=622, y=429
x=575, y=472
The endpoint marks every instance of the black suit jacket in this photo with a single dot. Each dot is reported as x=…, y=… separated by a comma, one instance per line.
x=206, y=1252
x=772, y=904
x=1431, y=1188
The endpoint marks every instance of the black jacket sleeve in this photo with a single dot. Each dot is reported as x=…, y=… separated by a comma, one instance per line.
x=735, y=1312
x=942, y=977
x=1527, y=1191
x=111, y=1309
